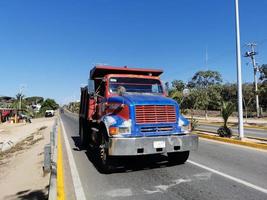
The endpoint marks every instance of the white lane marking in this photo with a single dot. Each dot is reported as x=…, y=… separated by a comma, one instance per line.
x=229, y=177
x=79, y=193
x=123, y=192
x=164, y=188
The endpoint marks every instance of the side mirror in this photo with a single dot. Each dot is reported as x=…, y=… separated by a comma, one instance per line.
x=186, y=92
x=91, y=86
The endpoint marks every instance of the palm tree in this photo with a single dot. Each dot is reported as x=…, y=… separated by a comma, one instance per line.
x=19, y=102
x=227, y=110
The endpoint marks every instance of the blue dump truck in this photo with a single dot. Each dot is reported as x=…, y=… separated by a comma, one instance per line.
x=125, y=112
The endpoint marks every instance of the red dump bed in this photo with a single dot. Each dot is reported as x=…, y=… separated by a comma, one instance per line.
x=101, y=71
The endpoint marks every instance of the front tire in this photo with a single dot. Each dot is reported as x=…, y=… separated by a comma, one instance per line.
x=103, y=156
x=178, y=157
x=84, y=138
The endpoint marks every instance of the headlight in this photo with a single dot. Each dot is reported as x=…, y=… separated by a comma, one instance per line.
x=124, y=130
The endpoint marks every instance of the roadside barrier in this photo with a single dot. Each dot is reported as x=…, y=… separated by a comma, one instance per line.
x=50, y=162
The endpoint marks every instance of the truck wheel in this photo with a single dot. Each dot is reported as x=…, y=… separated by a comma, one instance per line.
x=84, y=135
x=178, y=157
x=103, y=157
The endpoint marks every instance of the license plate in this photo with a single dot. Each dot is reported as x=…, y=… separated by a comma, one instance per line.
x=159, y=144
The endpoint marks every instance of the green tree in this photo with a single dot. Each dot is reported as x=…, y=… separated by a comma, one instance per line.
x=34, y=100
x=204, y=79
x=227, y=110
x=176, y=93
x=205, y=83
x=248, y=97
x=215, y=98
x=179, y=85
x=263, y=71
x=229, y=92
x=177, y=90
x=49, y=104
x=263, y=86
x=19, y=102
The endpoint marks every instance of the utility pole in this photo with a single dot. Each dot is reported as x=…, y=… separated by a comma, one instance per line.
x=251, y=54
x=239, y=77
x=206, y=58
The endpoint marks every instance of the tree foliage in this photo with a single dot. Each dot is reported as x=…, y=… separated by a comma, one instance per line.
x=19, y=102
x=177, y=90
x=178, y=85
x=49, y=104
x=34, y=100
x=207, y=89
x=205, y=78
x=263, y=86
x=263, y=71
x=227, y=110
x=207, y=92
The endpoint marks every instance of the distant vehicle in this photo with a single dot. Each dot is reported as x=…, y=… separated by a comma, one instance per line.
x=125, y=112
x=25, y=117
x=49, y=113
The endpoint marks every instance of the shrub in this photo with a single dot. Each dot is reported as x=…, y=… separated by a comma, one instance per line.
x=224, y=132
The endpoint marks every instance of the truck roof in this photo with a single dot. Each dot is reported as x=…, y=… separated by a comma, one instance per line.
x=102, y=70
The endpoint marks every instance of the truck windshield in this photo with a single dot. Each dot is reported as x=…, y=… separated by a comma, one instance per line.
x=135, y=85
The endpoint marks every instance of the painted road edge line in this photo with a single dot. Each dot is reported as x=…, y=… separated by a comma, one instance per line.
x=258, y=188
x=79, y=193
x=60, y=173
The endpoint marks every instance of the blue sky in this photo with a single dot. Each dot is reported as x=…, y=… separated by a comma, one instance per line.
x=49, y=46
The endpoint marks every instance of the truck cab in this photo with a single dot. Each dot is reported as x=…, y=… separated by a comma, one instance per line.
x=125, y=112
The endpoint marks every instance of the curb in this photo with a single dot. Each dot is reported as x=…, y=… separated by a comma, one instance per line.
x=52, y=193
x=232, y=141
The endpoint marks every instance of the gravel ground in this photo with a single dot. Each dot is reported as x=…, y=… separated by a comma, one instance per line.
x=21, y=174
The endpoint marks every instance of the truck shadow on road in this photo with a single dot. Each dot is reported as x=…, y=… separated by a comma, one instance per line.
x=125, y=164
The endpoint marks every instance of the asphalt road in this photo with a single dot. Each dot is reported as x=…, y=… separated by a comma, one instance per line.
x=247, y=131
x=215, y=171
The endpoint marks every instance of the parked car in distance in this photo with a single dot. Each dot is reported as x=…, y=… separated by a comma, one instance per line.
x=49, y=113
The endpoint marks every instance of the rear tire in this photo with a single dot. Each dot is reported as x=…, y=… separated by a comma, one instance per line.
x=178, y=157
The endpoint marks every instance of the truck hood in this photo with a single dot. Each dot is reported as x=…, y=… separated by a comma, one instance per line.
x=143, y=100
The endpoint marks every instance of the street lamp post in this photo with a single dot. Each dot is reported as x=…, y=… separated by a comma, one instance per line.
x=239, y=74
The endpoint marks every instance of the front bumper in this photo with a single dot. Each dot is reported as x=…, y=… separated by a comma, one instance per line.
x=146, y=145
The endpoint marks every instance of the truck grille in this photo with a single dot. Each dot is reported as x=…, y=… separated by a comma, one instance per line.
x=149, y=114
